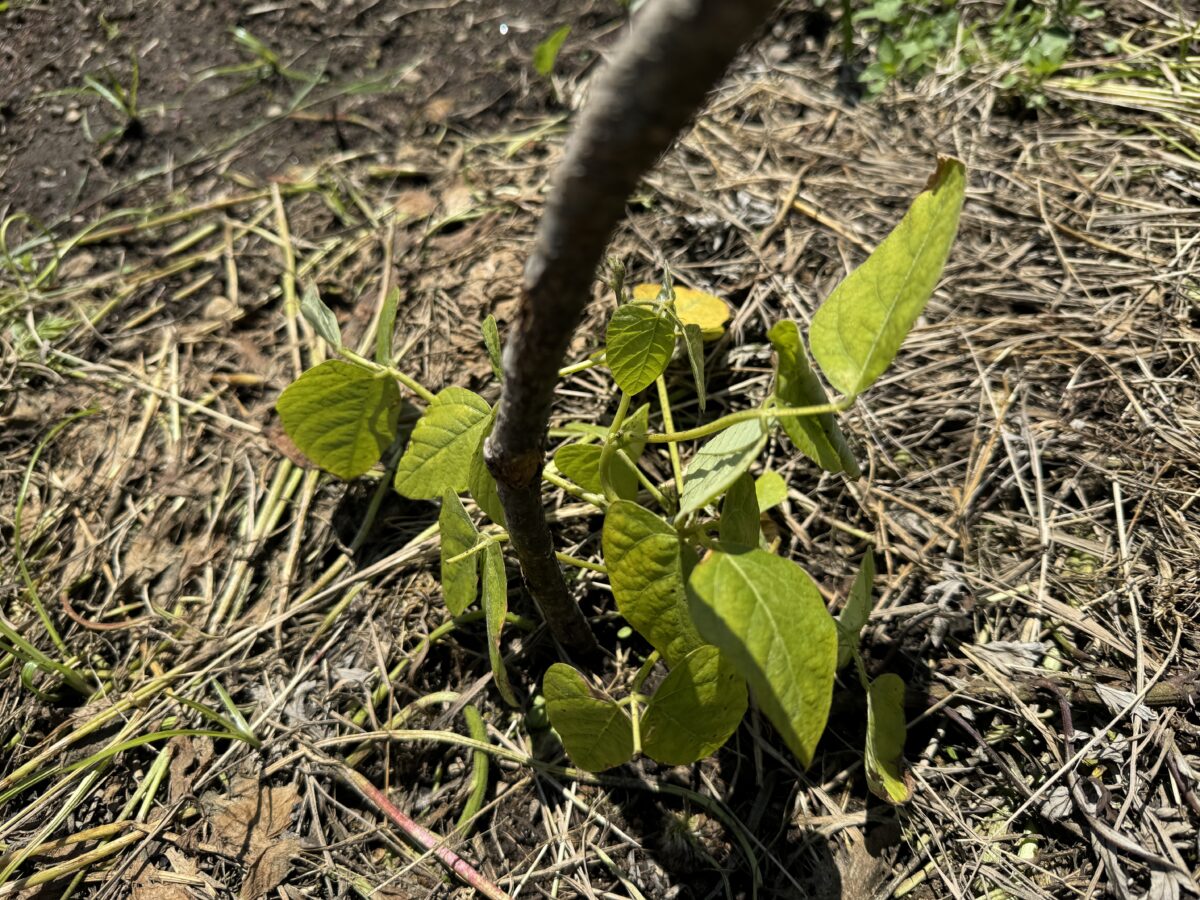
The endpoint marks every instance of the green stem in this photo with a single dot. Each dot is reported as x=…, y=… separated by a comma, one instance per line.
x=407, y=380
x=591, y=362
x=664, y=401
x=610, y=447
x=645, y=481
x=578, y=563
x=746, y=415
x=575, y=490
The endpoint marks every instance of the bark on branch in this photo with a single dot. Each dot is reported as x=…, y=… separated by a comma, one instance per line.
x=655, y=84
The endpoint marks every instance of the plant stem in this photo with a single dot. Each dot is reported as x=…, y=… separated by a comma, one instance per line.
x=664, y=402
x=407, y=380
x=746, y=415
x=659, y=77
x=567, y=559
x=575, y=490
x=645, y=482
x=610, y=447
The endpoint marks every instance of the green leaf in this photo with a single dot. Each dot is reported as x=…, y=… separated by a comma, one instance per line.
x=581, y=463
x=860, y=327
x=491, y=340
x=886, y=730
x=766, y=615
x=480, y=483
x=340, y=416
x=817, y=437
x=719, y=462
x=695, y=710
x=460, y=580
x=639, y=343
x=739, y=514
x=545, y=53
x=386, y=327
x=597, y=734
x=770, y=489
x=438, y=457
x=495, y=607
x=693, y=344
x=857, y=611
x=642, y=555
x=320, y=316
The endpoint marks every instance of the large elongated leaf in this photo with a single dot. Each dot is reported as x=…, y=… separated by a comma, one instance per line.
x=642, y=555
x=693, y=345
x=438, y=457
x=817, y=437
x=886, y=730
x=739, y=514
x=857, y=611
x=719, y=462
x=639, y=343
x=766, y=615
x=495, y=607
x=460, y=580
x=340, y=416
x=597, y=734
x=861, y=325
x=695, y=710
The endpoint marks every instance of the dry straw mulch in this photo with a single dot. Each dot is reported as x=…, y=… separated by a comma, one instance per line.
x=1032, y=464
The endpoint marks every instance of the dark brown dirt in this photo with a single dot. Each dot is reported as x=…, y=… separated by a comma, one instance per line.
x=355, y=77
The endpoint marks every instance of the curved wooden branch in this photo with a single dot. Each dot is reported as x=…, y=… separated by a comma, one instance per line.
x=656, y=83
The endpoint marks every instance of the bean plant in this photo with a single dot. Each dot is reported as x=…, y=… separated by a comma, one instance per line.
x=690, y=569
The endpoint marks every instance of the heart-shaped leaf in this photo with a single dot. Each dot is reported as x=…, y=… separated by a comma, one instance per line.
x=642, y=555
x=341, y=416
x=597, y=734
x=695, y=710
x=438, y=457
x=639, y=344
x=766, y=615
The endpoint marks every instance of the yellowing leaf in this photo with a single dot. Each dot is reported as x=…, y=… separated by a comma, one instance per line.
x=886, y=730
x=693, y=308
x=860, y=326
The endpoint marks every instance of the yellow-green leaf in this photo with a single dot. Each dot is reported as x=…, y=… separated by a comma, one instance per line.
x=739, y=526
x=817, y=437
x=597, y=734
x=460, y=580
x=857, y=611
x=495, y=608
x=341, y=416
x=719, y=462
x=770, y=489
x=546, y=53
x=766, y=615
x=320, y=316
x=642, y=555
x=638, y=345
x=581, y=464
x=695, y=710
x=860, y=327
x=480, y=483
x=491, y=342
x=886, y=730
x=438, y=457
